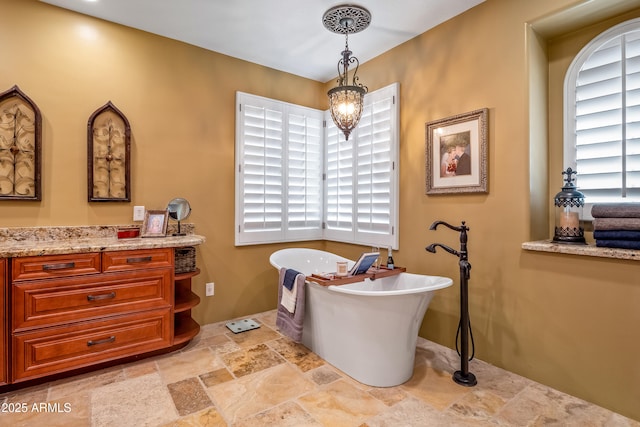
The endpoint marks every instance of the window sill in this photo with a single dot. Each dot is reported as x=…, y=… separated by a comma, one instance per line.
x=587, y=250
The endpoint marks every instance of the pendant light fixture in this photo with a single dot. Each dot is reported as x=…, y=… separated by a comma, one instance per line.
x=346, y=100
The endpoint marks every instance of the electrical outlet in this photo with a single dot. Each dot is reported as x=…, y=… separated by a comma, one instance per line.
x=210, y=289
x=138, y=213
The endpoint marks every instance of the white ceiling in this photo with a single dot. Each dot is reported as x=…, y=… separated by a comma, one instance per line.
x=287, y=35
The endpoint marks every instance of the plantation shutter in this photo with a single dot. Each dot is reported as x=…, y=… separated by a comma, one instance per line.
x=278, y=171
x=375, y=171
x=339, y=181
x=261, y=171
x=361, y=184
x=606, y=117
x=304, y=174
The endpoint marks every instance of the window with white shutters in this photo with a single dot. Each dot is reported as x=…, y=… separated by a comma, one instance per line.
x=283, y=153
x=602, y=117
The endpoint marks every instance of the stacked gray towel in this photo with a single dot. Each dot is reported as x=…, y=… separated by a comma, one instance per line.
x=616, y=225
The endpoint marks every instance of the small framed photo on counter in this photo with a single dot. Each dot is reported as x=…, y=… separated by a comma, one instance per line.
x=155, y=223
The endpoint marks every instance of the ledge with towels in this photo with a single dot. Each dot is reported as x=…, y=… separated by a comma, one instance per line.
x=616, y=225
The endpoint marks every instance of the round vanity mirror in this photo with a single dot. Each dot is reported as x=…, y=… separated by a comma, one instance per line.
x=179, y=209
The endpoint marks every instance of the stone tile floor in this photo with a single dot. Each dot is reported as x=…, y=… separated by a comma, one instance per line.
x=260, y=378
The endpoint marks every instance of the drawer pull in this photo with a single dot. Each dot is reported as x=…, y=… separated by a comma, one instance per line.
x=139, y=259
x=112, y=338
x=110, y=295
x=58, y=266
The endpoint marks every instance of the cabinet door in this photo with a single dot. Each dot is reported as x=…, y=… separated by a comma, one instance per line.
x=44, y=303
x=55, y=266
x=3, y=321
x=139, y=259
x=46, y=351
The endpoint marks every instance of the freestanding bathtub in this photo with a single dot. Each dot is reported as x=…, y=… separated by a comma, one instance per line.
x=366, y=329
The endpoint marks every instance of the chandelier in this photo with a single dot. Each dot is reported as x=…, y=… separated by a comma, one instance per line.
x=346, y=100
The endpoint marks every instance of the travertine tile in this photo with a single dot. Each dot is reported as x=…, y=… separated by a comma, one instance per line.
x=434, y=387
x=340, y=404
x=388, y=395
x=538, y=405
x=251, y=394
x=85, y=382
x=250, y=360
x=219, y=344
x=254, y=336
x=207, y=418
x=215, y=339
x=411, y=412
x=500, y=382
x=279, y=383
x=288, y=414
x=324, y=375
x=268, y=318
x=138, y=369
x=189, y=396
x=478, y=405
x=142, y=401
x=297, y=354
x=209, y=379
x=188, y=364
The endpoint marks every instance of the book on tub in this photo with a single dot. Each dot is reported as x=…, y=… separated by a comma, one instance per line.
x=363, y=263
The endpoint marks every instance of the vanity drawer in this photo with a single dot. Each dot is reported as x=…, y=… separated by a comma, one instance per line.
x=53, y=350
x=57, y=301
x=48, y=266
x=137, y=260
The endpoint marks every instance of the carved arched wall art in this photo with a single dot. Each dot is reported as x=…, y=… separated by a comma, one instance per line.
x=108, y=155
x=20, y=146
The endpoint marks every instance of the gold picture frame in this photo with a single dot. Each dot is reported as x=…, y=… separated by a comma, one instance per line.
x=155, y=223
x=456, y=154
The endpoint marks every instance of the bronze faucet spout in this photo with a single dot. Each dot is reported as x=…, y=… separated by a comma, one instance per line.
x=432, y=248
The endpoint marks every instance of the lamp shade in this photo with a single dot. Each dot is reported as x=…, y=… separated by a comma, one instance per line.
x=345, y=104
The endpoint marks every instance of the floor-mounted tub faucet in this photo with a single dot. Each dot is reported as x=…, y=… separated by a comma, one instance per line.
x=463, y=376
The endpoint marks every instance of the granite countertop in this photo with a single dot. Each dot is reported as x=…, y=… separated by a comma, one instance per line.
x=30, y=241
x=588, y=250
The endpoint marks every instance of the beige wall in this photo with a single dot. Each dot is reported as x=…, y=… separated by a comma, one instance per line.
x=566, y=321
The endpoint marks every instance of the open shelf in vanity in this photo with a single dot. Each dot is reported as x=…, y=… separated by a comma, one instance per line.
x=184, y=327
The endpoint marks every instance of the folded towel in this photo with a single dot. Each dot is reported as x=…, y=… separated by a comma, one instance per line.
x=290, y=278
x=616, y=234
x=621, y=244
x=290, y=324
x=616, y=210
x=616, y=224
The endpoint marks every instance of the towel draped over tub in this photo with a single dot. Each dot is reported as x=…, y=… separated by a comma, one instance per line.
x=290, y=314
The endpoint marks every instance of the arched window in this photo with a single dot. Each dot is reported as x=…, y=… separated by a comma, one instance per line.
x=602, y=116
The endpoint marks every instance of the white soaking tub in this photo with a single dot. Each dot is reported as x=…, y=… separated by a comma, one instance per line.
x=367, y=329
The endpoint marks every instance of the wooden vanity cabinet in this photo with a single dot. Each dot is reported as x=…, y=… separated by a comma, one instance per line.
x=74, y=311
x=4, y=322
